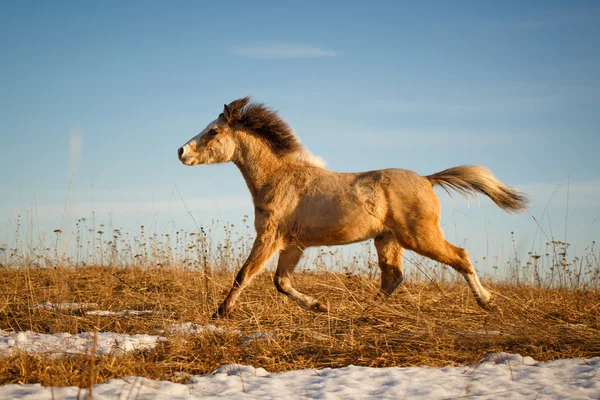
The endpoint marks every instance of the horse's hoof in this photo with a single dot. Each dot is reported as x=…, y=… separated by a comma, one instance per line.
x=221, y=312
x=381, y=296
x=492, y=306
x=495, y=308
x=318, y=307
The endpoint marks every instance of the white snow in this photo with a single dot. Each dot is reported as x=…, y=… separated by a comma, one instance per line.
x=500, y=376
x=189, y=328
x=80, y=306
x=258, y=336
x=65, y=344
x=65, y=306
x=123, y=313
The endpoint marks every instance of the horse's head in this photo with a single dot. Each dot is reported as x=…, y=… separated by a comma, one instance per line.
x=252, y=127
x=216, y=143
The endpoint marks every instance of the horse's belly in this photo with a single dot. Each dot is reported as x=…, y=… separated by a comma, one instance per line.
x=333, y=229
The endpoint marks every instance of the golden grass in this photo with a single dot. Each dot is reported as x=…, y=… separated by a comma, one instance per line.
x=425, y=324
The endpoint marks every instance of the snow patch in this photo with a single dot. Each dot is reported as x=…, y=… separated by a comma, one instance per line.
x=239, y=370
x=258, y=336
x=507, y=358
x=65, y=306
x=104, y=313
x=501, y=376
x=108, y=343
x=189, y=328
x=65, y=344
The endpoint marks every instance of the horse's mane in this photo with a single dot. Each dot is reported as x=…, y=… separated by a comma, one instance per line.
x=265, y=123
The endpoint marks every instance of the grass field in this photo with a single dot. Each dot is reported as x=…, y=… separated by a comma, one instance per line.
x=550, y=303
x=425, y=324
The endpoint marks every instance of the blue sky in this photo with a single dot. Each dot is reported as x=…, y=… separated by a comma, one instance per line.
x=96, y=97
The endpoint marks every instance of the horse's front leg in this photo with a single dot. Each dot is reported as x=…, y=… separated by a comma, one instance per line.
x=263, y=249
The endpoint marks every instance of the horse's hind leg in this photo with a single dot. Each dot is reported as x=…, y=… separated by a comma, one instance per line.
x=427, y=239
x=458, y=259
x=288, y=259
x=389, y=255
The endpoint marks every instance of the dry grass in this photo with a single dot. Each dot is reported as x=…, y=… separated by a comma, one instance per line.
x=426, y=324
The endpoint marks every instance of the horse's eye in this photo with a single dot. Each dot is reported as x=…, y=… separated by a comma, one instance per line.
x=213, y=132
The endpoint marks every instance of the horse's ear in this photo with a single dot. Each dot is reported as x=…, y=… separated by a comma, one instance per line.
x=233, y=111
x=227, y=112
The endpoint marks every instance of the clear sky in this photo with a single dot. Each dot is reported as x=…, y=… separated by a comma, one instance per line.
x=96, y=97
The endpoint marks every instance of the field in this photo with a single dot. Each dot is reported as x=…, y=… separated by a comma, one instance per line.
x=151, y=283
x=426, y=323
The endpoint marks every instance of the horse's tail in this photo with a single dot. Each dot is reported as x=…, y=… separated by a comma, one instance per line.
x=470, y=179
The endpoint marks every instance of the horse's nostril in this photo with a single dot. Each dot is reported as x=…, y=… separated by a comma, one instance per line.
x=180, y=152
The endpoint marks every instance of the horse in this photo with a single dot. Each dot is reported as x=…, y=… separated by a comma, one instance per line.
x=298, y=203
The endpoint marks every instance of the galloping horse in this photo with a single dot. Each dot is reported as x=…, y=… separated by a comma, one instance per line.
x=298, y=203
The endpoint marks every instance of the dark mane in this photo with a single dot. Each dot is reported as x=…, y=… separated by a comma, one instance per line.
x=265, y=123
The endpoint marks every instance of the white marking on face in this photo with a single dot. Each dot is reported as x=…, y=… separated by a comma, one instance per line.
x=196, y=138
x=187, y=156
x=193, y=141
x=209, y=127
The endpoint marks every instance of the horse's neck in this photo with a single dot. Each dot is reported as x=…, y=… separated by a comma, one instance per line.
x=260, y=169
